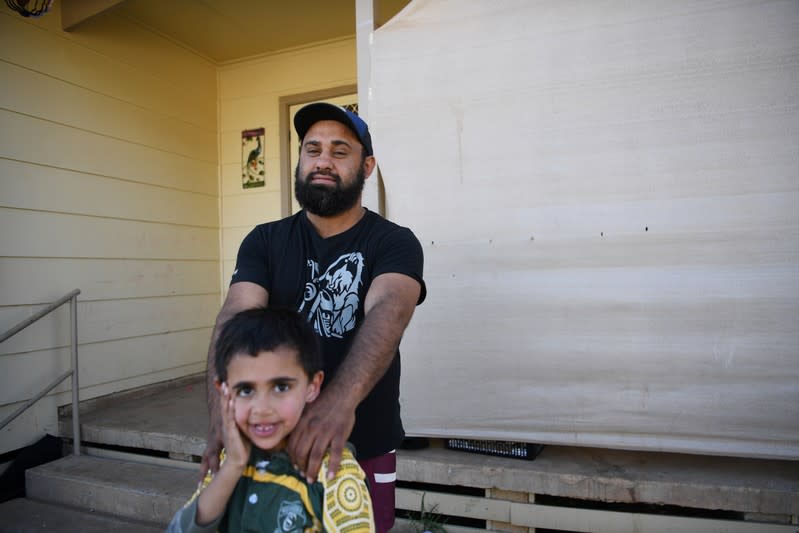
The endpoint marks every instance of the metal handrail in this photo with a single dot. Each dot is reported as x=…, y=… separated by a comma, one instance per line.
x=72, y=298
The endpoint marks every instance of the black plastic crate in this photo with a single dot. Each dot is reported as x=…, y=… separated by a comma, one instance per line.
x=498, y=448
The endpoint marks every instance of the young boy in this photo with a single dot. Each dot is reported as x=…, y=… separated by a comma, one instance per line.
x=268, y=366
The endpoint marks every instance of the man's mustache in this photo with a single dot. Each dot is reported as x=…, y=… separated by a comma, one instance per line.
x=326, y=174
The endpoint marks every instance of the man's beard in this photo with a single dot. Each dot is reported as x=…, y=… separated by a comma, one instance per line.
x=325, y=201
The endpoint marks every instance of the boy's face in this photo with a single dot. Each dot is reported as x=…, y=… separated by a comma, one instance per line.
x=270, y=392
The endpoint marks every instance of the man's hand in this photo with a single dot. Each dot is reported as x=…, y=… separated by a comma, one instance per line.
x=325, y=424
x=213, y=445
x=328, y=421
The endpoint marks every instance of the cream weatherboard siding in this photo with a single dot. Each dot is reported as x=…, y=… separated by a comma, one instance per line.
x=108, y=183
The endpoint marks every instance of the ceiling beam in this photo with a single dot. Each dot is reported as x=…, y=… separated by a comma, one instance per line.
x=73, y=12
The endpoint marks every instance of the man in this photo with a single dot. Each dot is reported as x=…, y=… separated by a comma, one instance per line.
x=357, y=278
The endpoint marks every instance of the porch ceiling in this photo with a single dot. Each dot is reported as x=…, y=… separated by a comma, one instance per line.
x=230, y=30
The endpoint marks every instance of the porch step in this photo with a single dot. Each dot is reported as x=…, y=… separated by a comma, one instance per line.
x=170, y=417
x=28, y=516
x=126, y=489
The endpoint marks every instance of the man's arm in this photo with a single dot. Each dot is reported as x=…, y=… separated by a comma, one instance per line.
x=240, y=296
x=328, y=421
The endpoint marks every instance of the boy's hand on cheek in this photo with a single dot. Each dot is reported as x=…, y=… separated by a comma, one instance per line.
x=237, y=447
x=213, y=499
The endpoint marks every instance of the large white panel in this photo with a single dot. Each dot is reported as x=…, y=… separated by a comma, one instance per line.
x=606, y=196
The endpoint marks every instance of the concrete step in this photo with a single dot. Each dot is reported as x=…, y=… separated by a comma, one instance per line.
x=28, y=516
x=171, y=417
x=133, y=490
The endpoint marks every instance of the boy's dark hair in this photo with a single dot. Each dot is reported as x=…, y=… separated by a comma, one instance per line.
x=263, y=330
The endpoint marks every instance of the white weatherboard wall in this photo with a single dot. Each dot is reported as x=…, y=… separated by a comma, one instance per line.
x=249, y=97
x=606, y=194
x=109, y=184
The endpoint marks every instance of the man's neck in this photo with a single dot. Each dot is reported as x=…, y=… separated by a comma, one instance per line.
x=330, y=226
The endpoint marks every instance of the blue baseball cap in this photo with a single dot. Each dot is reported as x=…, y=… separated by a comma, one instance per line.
x=313, y=113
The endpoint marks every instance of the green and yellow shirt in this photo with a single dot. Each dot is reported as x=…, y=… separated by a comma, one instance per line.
x=272, y=497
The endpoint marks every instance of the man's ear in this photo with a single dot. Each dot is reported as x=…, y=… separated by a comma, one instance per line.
x=369, y=164
x=218, y=385
x=314, y=387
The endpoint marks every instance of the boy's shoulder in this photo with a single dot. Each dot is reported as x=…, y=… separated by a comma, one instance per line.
x=347, y=505
x=348, y=465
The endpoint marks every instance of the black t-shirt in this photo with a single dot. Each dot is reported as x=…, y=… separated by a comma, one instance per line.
x=326, y=280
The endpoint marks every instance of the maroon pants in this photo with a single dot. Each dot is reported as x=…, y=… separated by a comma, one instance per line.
x=381, y=475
